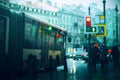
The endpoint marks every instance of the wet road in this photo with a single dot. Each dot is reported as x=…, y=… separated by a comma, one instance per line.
x=77, y=70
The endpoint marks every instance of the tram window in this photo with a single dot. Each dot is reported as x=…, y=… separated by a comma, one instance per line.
x=30, y=35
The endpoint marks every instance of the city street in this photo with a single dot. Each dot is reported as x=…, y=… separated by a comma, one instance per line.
x=77, y=70
x=56, y=39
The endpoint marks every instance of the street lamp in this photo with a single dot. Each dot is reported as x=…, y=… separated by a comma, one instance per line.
x=104, y=17
x=104, y=10
x=116, y=9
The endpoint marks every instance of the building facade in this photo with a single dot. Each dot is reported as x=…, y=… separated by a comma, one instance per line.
x=71, y=18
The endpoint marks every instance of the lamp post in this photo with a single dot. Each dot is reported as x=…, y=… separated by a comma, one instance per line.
x=104, y=18
x=116, y=9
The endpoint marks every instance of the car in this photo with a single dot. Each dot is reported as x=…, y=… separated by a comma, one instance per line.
x=85, y=56
x=69, y=55
x=77, y=57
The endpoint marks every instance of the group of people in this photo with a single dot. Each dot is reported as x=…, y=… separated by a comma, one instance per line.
x=54, y=63
x=100, y=55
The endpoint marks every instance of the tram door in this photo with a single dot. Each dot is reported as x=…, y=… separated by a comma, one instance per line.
x=44, y=49
x=16, y=40
x=3, y=56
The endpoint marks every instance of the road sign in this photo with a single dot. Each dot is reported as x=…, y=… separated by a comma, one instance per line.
x=99, y=19
x=101, y=30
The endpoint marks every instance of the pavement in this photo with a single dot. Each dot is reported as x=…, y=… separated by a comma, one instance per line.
x=77, y=70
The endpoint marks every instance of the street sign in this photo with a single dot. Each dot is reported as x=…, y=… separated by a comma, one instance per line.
x=99, y=19
x=101, y=30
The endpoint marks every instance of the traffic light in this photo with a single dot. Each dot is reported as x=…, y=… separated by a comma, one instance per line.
x=58, y=35
x=93, y=29
x=69, y=39
x=88, y=21
x=49, y=28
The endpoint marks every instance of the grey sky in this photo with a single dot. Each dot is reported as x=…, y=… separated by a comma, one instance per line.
x=85, y=3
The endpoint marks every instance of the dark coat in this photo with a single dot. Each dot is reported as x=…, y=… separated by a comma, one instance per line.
x=94, y=54
x=115, y=53
x=104, y=53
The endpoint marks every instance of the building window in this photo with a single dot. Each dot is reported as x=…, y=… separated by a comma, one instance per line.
x=49, y=20
x=42, y=11
x=55, y=14
x=52, y=21
x=38, y=10
x=56, y=22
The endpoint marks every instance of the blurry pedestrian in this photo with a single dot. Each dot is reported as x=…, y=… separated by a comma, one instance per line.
x=51, y=66
x=57, y=60
x=29, y=58
x=95, y=55
x=115, y=55
x=32, y=62
x=104, y=53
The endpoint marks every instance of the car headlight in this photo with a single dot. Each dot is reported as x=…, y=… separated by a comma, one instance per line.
x=74, y=55
x=70, y=55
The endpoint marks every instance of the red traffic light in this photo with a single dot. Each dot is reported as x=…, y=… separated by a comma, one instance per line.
x=88, y=21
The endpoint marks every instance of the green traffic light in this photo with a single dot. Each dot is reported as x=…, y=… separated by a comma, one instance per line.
x=49, y=28
x=93, y=29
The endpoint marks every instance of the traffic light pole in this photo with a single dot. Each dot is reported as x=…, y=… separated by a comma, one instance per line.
x=89, y=63
x=89, y=34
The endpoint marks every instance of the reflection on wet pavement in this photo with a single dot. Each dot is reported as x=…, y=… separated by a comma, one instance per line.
x=77, y=70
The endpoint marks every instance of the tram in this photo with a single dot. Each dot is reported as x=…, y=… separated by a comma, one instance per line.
x=22, y=34
x=43, y=40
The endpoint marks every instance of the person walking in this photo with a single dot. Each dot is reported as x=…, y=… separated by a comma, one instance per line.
x=95, y=55
x=51, y=64
x=104, y=53
x=115, y=55
x=57, y=60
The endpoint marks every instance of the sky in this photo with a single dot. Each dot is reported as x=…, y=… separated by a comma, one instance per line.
x=85, y=3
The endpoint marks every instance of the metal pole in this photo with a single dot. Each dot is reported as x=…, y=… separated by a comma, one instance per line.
x=65, y=59
x=116, y=9
x=89, y=63
x=104, y=19
x=89, y=34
